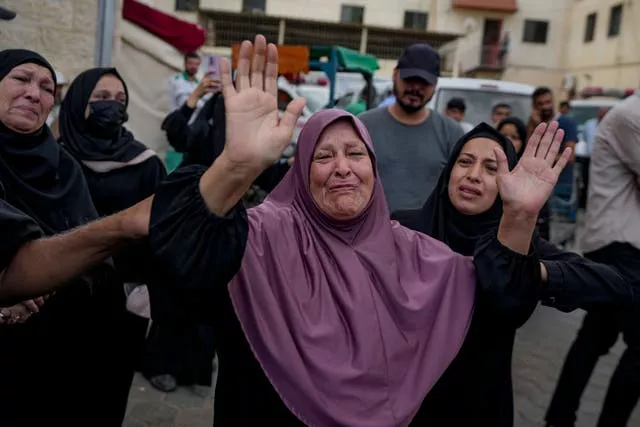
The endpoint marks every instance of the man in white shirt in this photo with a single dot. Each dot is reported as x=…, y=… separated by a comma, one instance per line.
x=184, y=83
x=611, y=236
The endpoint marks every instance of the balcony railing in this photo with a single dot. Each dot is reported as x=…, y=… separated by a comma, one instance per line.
x=225, y=29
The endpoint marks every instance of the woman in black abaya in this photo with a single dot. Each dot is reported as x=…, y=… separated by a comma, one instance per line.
x=120, y=171
x=463, y=211
x=50, y=364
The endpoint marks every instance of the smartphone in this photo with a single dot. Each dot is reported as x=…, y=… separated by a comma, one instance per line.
x=213, y=66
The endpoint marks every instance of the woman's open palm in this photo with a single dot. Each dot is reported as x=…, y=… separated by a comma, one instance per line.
x=529, y=185
x=255, y=134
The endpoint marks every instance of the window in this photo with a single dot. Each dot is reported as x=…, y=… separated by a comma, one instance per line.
x=590, y=27
x=187, y=5
x=535, y=31
x=254, y=6
x=415, y=20
x=615, y=20
x=352, y=14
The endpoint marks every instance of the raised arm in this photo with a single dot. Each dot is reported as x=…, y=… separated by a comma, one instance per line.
x=198, y=225
x=508, y=268
x=256, y=136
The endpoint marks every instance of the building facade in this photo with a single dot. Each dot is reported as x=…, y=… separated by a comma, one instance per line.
x=603, y=48
x=63, y=31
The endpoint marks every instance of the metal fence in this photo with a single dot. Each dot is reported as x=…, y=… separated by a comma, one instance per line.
x=226, y=28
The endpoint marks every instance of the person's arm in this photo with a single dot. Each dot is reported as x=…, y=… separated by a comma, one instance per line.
x=176, y=127
x=509, y=273
x=509, y=282
x=42, y=265
x=626, y=131
x=572, y=281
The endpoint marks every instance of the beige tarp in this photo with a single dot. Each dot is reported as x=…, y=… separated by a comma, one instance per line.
x=147, y=64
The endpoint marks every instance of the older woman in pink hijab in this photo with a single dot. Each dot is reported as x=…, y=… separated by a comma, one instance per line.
x=327, y=313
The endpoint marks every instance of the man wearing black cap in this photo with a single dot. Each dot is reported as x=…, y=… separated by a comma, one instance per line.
x=412, y=142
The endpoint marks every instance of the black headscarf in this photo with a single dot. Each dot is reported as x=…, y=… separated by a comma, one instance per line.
x=77, y=134
x=36, y=175
x=520, y=128
x=443, y=221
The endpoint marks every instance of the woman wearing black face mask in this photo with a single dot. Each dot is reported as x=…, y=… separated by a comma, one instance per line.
x=119, y=170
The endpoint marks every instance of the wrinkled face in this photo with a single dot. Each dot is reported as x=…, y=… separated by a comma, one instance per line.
x=455, y=114
x=511, y=132
x=341, y=177
x=499, y=114
x=544, y=104
x=472, y=185
x=26, y=98
x=191, y=66
x=108, y=88
x=412, y=94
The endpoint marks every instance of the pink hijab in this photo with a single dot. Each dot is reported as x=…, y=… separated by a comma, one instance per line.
x=354, y=321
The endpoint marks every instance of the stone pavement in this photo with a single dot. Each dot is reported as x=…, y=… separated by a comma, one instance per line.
x=541, y=346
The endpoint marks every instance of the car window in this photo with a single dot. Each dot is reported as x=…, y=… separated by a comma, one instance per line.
x=480, y=103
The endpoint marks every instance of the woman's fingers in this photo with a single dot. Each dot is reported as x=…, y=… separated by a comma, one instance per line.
x=534, y=140
x=243, y=81
x=501, y=160
x=228, y=90
x=547, y=140
x=258, y=62
x=271, y=72
x=563, y=160
x=290, y=116
x=556, y=145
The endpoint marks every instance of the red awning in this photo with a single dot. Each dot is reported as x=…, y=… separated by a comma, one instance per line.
x=183, y=35
x=506, y=6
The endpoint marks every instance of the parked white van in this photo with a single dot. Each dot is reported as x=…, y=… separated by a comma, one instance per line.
x=481, y=96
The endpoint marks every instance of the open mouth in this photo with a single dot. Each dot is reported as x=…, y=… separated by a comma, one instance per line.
x=470, y=191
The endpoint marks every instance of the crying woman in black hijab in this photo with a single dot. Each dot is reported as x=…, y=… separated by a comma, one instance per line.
x=465, y=211
x=53, y=240
x=120, y=170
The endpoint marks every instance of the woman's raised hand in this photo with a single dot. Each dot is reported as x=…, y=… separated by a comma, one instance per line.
x=526, y=188
x=255, y=134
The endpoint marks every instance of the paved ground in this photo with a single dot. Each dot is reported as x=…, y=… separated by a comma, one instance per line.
x=539, y=353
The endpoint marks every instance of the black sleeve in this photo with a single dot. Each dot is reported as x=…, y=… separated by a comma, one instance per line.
x=413, y=219
x=134, y=262
x=176, y=127
x=576, y=282
x=16, y=229
x=509, y=283
x=199, y=250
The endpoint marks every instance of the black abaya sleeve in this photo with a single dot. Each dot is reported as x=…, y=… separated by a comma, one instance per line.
x=16, y=229
x=576, y=282
x=509, y=283
x=201, y=252
x=176, y=127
